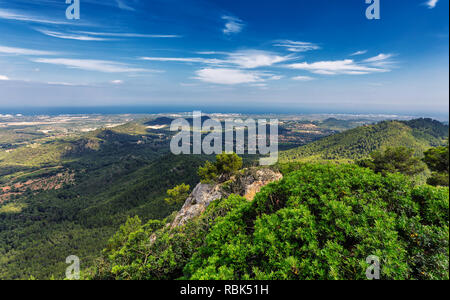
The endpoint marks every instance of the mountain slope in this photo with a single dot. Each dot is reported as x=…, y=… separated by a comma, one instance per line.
x=359, y=142
x=116, y=173
x=45, y=228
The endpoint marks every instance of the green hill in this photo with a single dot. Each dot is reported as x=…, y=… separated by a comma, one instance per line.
x=358, y=143
x=116, y=173
x=38, y=231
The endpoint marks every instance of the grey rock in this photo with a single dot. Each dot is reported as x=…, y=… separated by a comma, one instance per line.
x=247, y=184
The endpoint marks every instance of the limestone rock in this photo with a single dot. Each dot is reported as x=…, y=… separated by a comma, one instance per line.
x=247, y=184
x=200, y=198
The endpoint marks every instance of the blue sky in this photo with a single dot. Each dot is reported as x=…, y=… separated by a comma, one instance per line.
x=321, y=55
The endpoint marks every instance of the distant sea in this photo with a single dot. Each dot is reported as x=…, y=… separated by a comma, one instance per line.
x=52, y=111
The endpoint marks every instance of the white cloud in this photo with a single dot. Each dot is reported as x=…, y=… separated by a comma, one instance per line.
x=16, y=16
x=3, y=77
x=123, y=5
x=90, y=65
x=303, y=78
x=380, y=61
x=379, y=57
x=246, y=59
x=228, y=76
x=70, y=36
x=212, y=53
x=251, y=59
x=131, y=35
x=262, y=86
x=63, y=83
x=276, y=77
x=431, y=3
x=347, y=66
x=295, y=46
x=185, y=60
x=361, y=52
x=22, y=51
x=117, y=81
x=232, y=25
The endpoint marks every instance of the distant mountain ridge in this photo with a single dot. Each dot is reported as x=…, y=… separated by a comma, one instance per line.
x=358, y=143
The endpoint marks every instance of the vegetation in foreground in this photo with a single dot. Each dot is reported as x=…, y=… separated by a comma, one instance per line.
x=320, y=222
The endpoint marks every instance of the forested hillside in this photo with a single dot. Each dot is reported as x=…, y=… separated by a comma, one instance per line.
x=358, y=143
x=115, y=174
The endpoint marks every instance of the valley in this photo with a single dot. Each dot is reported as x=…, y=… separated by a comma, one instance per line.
x=68, y=183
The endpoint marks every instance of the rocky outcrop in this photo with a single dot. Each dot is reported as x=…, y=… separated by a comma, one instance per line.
x=246, y=184
x=200, y=198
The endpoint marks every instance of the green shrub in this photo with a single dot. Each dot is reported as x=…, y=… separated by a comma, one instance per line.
x=178, y=194
x=434, y=204
x=437, y=160
x=222, y=169
x=319, y=222
x=394, y=160
x=322, y=222
x=139, y=259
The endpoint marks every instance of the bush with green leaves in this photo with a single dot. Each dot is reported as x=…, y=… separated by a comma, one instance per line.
x=322, y=222
x=437, y=160
x=155, y=252
x=394, y=160
x=178, y=194
x=319, y=222
x=226, y=165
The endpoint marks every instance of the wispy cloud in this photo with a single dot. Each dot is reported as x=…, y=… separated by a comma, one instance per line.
x=128, y=35
x=295, y=46
x=431, y=3
x=250, y=59
x=232, y=25
x=212, y=53
x=100, y=36
x=117, y=82
x=262, y=86
x=71, y=36
x=19, y=16
x=246, y=59
x=347, y=67
x=228, y=76
x=379, y=57
x=303, y=78
x=361, y=52
x=22, y=51
x=65, y=83
x=186, y=60
x=91, y=65
x=123, y=5
x=3, y=77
